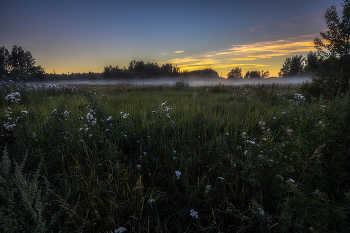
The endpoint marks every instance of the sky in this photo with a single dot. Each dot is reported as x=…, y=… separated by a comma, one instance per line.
x=85, y=36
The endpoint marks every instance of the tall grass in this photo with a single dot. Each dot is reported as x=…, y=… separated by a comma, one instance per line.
x=168, y=159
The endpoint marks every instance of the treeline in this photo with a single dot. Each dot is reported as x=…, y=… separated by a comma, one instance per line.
x=142, y=70
x=237, y=73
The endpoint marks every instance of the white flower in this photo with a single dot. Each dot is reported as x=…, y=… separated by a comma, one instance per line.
x=208, y=187
x=290, y=181
x=120, y=230
x=279, y=176
x=138, y=166
x=178, y=174
x=151, y=200
x=24, y=112
x=109, y=118
x=194, y=213
x=221, y=178
x=261, y=211
x=174, y=158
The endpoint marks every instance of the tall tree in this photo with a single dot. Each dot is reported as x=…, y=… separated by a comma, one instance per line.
x=338, y=35
x=235, y=73
x=4, y=57
x=333, y=73
x=20, y=62
x=292, y=66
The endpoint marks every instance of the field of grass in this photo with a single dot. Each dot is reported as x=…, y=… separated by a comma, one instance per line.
x=123, y=158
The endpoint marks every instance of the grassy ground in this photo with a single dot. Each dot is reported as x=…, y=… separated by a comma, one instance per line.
x=256, y=158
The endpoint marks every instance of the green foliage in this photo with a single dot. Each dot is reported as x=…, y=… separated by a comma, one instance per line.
x=332, y=75
x=253, y=158
x=179, y=85
x=23, y=198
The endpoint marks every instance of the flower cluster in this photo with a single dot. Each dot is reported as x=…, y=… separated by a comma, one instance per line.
x=125, y=115
x=193, y=213
x=53, y=87
x=12, y=97
x=178, y=174
x=163, y=109
x=10, y=124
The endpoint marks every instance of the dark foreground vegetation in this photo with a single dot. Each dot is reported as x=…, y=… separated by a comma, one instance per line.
x=258, y=158
x=174, y=158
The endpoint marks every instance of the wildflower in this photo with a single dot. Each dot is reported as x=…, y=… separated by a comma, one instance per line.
x=8, y=110
x=89, y=116
x=120, y=230
x=66, y=113
x=221, y=178
x=12, y=97
x=93, y=122
x=24, y=112
x=138, y=166
x=194, y=213
x=86, y=129
x=151, y=200
x=208, y=187
x=109, y=118
x=53, y=112
x=8, y=126
x=91, y=135
x=174, y=158
x=261, y=211
x=279, y=176
x=290, y=181
x=178, y=174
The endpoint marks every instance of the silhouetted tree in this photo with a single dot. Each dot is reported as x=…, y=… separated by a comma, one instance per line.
x=235, y=73
x=255, y=74
x=312, y=63
x=333, y=72
x=205, y=73
x=20, y=62
x=292, y=66
x=4, y=57
x=37, y=73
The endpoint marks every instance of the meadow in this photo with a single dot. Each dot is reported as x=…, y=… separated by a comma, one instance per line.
x=172, y=158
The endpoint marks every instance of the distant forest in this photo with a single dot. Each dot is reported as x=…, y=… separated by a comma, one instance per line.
x=19, y=64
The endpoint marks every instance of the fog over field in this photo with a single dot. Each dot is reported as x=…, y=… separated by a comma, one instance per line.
x=190, y=81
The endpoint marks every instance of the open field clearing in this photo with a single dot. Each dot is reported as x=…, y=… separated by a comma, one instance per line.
x=172, y=158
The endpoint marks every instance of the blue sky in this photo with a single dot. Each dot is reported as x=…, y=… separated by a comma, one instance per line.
x=83, y=36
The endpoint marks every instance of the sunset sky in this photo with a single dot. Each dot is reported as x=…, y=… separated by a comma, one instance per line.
x=85, y=35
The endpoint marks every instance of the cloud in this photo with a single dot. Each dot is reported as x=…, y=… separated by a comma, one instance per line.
x=249, y=56
x=164, y=53
x=180, y=51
